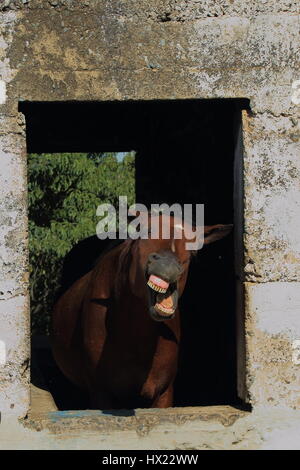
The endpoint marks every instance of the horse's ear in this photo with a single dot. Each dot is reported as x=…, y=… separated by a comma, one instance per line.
x=212, y=233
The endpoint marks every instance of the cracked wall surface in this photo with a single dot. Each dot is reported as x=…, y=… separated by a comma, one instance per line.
x=68, y=50
x=215, y=428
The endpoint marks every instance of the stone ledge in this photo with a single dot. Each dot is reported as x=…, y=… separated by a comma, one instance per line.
x=140, y=420
x=264, y=428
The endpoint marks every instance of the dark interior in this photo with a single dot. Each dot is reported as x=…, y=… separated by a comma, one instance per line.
x=185, y=154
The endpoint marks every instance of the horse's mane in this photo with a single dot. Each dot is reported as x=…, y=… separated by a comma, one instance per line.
x=123, y=261
x=111, y=245
x=123, y=264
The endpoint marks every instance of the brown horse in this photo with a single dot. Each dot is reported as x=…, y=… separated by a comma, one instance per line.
x=116, y=331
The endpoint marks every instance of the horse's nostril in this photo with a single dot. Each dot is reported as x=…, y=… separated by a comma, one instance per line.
x=153, y=256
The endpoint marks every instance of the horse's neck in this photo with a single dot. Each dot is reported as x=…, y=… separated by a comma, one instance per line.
x=132, y=318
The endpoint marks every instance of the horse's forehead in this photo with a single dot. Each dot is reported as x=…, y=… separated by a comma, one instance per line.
x=172, y=220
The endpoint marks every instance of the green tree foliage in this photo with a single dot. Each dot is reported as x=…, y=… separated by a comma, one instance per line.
x=64, y=192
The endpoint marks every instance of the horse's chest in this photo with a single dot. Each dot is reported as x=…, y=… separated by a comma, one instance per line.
x=139, y=386
x=146, y=376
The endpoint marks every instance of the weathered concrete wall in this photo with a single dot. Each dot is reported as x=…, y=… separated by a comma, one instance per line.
x=272, y=257
x=14, y=314
x=272, y=328
x=219, y=428
x=90, y=50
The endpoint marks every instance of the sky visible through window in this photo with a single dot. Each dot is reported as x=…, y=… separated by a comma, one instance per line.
x=121, y=155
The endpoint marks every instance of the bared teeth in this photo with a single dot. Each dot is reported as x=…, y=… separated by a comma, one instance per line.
x=164, y=309
x=156, y=288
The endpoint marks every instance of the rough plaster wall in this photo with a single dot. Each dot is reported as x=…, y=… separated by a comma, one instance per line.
x=14, y=329
x=90, y=50
x=87, y=54
x=272, y=327
x=163, y=10
x=272, y=197
x=278, y=429
x=272, y=257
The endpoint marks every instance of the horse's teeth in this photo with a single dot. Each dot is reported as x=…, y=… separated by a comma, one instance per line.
x=156, y=288
x=165, y=310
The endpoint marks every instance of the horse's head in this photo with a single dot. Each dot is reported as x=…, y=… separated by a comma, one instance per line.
x=159, y=267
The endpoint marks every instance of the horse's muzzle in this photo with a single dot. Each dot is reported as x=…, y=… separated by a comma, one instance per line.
x=164, y=266
x=163, y=272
